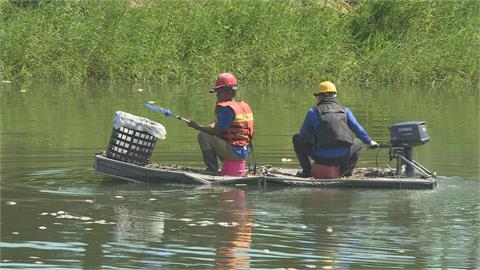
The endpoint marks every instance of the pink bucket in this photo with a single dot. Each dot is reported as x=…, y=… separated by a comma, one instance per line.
x=233, y=168
x=322, y=171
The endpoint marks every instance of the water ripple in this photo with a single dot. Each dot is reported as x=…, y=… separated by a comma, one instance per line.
x=72, y=246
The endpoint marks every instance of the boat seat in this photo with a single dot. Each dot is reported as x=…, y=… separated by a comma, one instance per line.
x=233, y=168
x=322, y=171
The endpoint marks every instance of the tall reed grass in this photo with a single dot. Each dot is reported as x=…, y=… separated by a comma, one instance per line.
x=295, y=41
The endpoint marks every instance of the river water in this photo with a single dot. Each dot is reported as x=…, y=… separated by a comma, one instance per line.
x=57, y=213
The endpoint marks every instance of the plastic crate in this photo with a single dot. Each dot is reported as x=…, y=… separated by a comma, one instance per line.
x=131, y=146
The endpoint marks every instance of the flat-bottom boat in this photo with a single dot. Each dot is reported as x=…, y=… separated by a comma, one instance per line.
x=263, y=176
x=133, y=140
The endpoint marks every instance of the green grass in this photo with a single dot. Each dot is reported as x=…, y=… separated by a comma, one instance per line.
x=434, y=43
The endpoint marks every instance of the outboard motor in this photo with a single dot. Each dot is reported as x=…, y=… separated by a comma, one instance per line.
x=403, y=137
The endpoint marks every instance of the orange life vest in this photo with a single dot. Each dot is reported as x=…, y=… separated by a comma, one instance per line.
x=240, y=131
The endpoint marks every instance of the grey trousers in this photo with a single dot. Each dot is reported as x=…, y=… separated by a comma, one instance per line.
x=218, y=145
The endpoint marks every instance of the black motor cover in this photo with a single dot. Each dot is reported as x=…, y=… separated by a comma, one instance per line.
x=409, y=134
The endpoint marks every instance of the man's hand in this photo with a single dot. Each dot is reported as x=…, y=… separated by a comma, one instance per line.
x=207, y=129
x=373, y=144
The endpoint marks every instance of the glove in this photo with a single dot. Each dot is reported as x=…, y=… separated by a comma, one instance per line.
x=373, y=144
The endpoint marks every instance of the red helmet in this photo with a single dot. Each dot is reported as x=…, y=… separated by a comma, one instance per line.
x=225, y=79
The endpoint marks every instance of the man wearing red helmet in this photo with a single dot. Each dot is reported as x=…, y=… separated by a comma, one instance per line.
x=231, y=134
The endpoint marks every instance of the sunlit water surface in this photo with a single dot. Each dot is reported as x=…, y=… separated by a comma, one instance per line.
x=57, y=213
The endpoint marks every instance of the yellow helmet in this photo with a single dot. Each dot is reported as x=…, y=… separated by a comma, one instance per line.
x=325, y=87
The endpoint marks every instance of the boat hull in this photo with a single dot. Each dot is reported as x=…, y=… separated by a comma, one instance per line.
x=274, y=177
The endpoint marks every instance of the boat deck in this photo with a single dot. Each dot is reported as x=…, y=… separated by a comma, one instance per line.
x=264, y=176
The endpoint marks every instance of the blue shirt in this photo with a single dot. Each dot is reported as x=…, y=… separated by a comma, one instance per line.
x=312, y=123
x=225, y=116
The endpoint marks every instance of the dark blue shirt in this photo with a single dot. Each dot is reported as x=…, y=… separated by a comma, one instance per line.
x=225, y=116
x=312, y=123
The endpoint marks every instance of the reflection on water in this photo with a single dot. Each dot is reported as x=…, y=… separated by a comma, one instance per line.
x=227, y=228
x=233, y=244
x=56, y=213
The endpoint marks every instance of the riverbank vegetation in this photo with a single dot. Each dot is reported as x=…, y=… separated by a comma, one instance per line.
x=435, y=43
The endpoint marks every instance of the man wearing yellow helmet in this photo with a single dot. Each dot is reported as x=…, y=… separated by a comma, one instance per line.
x=326, y=134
